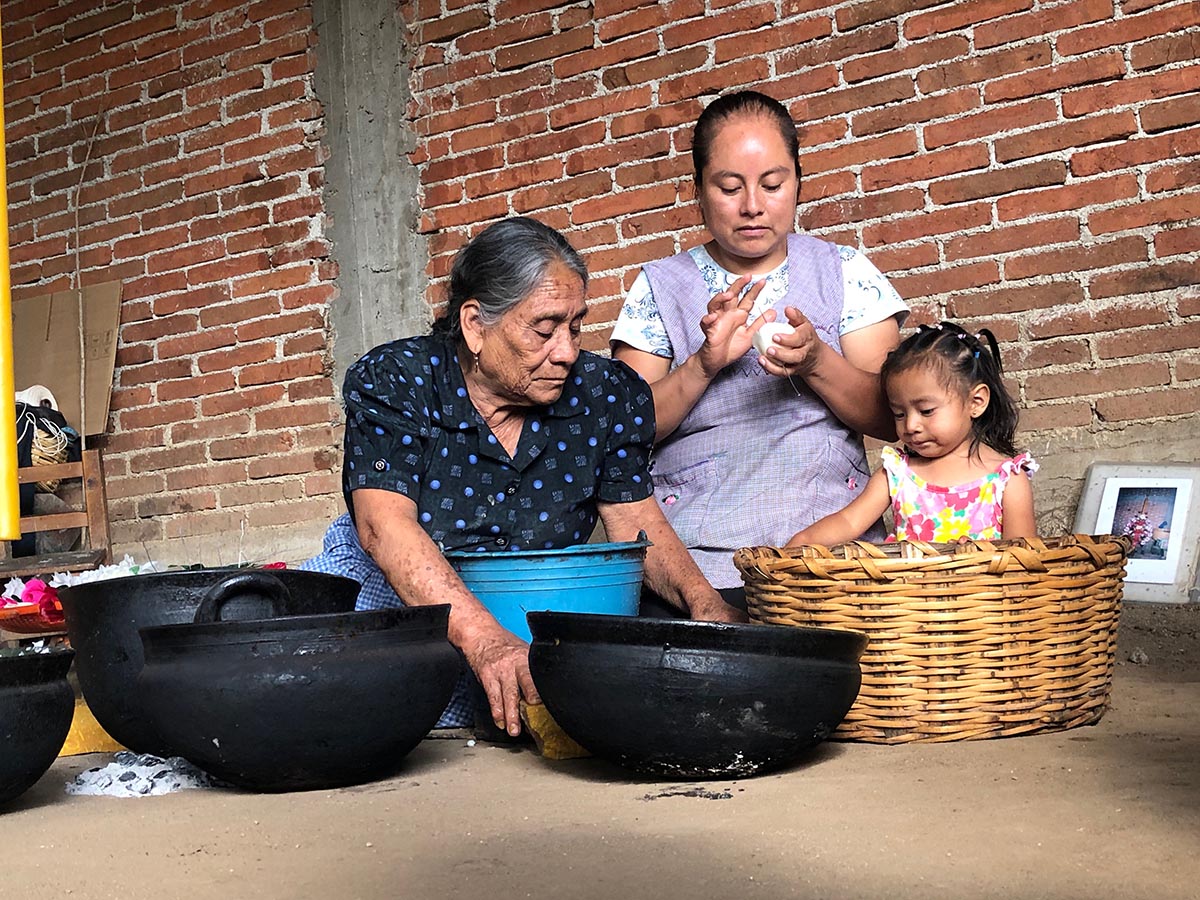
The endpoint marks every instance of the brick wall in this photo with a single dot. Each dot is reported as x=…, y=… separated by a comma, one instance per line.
x=173, y=146
x=1023, y=165
x=1011, y=163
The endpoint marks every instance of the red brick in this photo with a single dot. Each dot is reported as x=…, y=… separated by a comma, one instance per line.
x=860, y=208
x=639, y=46
x=230, y=224
x=1160, y=277
x=859, y=152
x=1096, y=319
x=296, y=512
x=264, y=146
x=1079, y=195
x=189, y=345
x=1052, y=79
x=242, y=399
x=297, y=415
x=1163, y=51
x=946, y=280
x=1043, y=233
x=158, y=414
x=928, y=165
x=309, y=389
x=1174, y=401
x=512, y=56
x=1128, y=29
x=474, y=211
x=1051, y=416
x=1069, y=135
x=675, y=168
x=998, y=182
x=916, y=112
x=984, y=67
x=1077, y=259
x=140, y=72
x=281, y=372
x=865, y=13
x=1040, y=22
x=447, y=28
x=655, y=119
x=1168, y=338
x=902, y=259
x=1174, y=177
x=1010, y=300
x=237, y=357
x=660, y=221
x=960, y=15
x=1168, y=114
x=808, y=44
x=1130, y=91
x=1136, y=152
x=620, y=21
x=742, y=21
x=624, y=203
x=1152, y=212
x=590, y=110
x=227, y=268
x=1096, y=381
x=1043, y=354
x=1177, y=242
x=564, y=191
x=153, y=372
x=659, y=67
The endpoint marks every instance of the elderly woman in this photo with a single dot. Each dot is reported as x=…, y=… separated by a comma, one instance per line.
x=496, y=432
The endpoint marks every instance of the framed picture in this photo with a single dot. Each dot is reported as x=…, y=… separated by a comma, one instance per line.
x=1158, y=508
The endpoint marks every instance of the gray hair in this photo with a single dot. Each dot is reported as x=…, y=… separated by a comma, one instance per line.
x=501, y=266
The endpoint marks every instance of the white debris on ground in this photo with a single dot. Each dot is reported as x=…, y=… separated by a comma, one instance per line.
x=140, y=775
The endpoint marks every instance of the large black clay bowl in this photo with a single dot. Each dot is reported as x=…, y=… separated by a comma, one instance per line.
x=103, y=618
x=36, y=707
x=682, y=699
x=301, y=702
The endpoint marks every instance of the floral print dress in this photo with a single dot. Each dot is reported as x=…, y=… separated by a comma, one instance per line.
x=930, y=512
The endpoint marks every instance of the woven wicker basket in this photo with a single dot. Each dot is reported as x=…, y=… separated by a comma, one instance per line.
x=967, y=641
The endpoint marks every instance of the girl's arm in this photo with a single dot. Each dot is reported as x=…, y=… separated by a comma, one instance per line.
x=1016, y=509
x=851, y=521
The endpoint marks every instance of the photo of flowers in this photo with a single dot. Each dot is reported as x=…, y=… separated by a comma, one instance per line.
x=1158, y=508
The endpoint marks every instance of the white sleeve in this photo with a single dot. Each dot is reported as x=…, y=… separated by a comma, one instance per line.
x=639, y=324
x=868, y=297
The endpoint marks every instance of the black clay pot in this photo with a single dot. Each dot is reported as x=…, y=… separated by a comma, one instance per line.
x=36, y=707
x=103, y=618
x=692, y=700
x=298, y=703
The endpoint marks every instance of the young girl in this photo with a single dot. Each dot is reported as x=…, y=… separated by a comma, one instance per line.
x=959, y=475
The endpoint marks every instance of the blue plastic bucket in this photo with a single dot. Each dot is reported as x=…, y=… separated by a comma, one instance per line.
x=590, y=578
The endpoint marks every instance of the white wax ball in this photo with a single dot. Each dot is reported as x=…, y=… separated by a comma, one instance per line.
x=763, y=338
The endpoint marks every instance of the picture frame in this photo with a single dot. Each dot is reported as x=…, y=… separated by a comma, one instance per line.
x=1158, y=507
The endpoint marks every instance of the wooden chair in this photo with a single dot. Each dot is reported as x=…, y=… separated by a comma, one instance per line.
x=92, y=517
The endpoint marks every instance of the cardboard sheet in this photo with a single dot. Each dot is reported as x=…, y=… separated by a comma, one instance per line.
x=46, y=349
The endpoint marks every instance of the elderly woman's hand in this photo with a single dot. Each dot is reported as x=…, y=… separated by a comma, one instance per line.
x=717, y=611
x=500, y=660
x=727, y=329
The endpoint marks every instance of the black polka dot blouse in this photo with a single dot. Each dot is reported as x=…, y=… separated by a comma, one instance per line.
x=411, y=428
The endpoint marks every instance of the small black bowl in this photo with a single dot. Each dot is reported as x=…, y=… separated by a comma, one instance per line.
x=679, y=699
x=103, y=618
x=36, y=708
x=299, y=702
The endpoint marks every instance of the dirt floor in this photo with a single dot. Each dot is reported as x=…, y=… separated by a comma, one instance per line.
x=1111, y=810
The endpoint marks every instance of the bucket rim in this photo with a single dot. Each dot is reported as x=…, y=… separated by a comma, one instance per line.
x=575, y=550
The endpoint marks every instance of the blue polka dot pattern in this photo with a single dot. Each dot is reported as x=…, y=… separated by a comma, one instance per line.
x=407, y=407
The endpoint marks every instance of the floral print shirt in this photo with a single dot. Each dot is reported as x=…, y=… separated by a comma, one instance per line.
x=868, y=298
x=930, y=512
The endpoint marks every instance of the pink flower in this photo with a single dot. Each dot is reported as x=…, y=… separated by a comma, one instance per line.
x=46, y=597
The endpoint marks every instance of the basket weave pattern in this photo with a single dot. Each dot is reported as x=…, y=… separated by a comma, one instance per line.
x=967, y=641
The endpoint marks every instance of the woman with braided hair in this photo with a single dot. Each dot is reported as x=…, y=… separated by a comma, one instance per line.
x=959, y=475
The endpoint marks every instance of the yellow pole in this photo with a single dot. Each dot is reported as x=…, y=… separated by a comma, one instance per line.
x=10, y=502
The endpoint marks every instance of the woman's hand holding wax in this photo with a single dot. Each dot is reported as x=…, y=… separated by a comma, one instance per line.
x=728, y=331
x=728, y=334
x=389, y=531
x=799, y=352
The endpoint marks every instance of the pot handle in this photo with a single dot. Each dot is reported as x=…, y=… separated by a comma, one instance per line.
x=237, y=585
